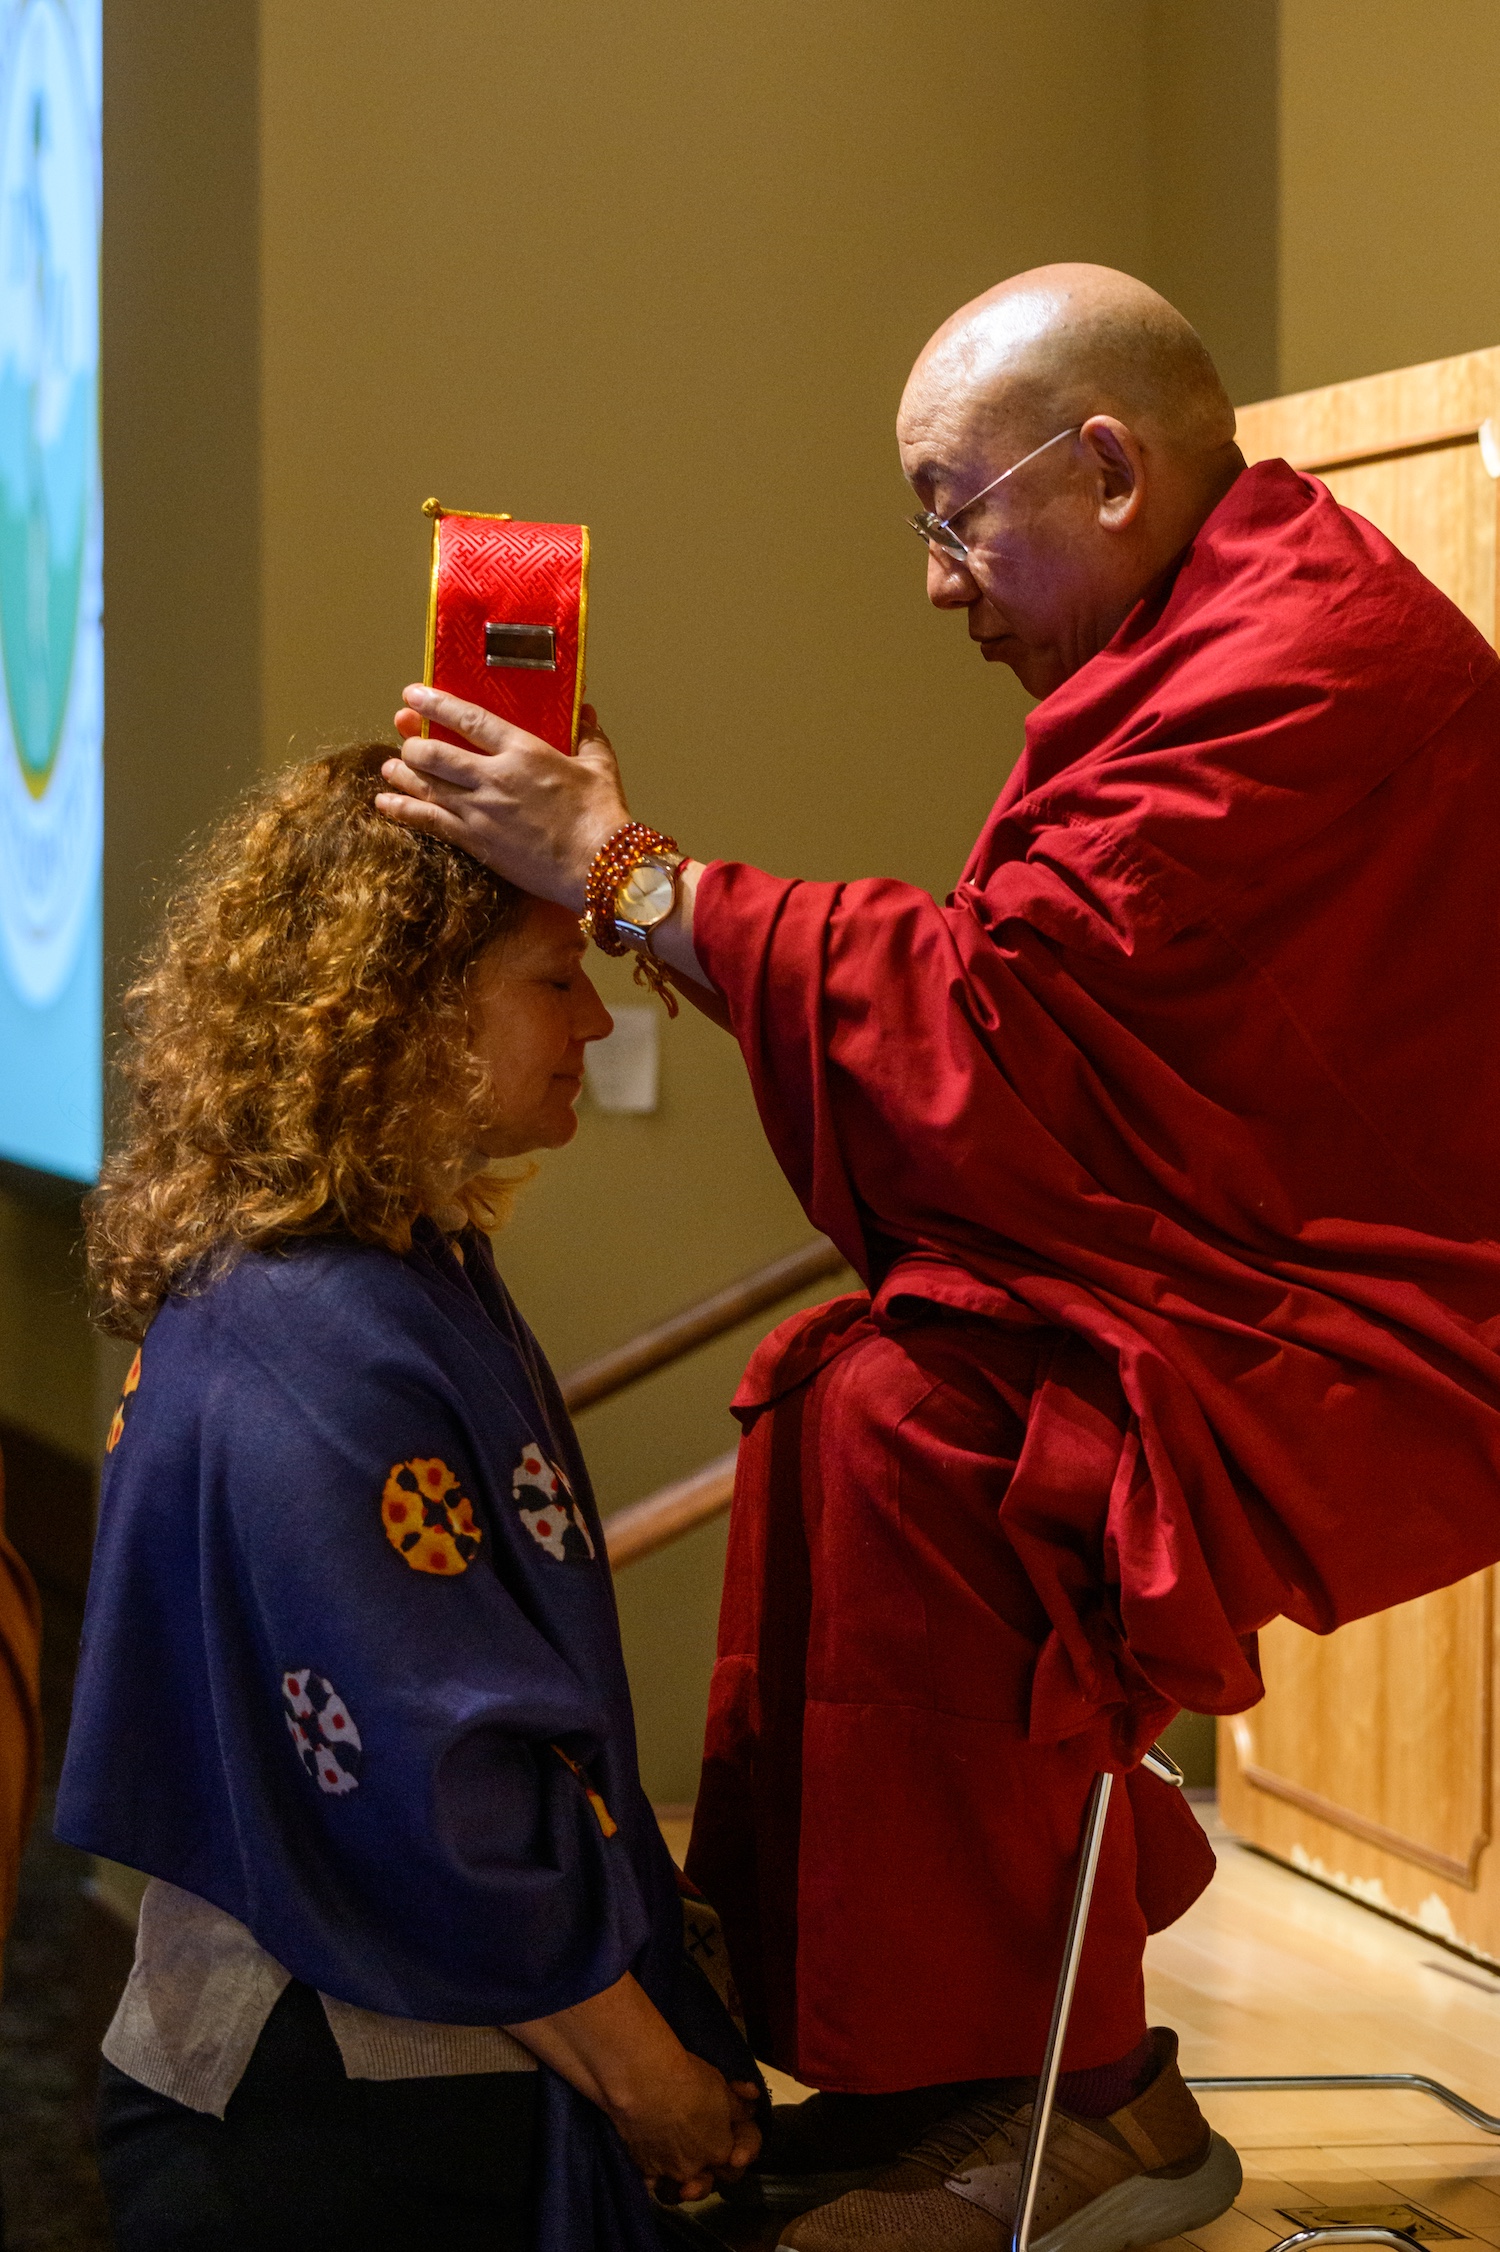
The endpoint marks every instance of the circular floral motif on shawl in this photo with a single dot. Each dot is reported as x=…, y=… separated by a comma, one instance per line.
x=322, y=1728
x=557, y=1524
x=428, y=1522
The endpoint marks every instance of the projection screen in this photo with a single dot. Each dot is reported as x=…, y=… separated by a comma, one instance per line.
x=51, y=587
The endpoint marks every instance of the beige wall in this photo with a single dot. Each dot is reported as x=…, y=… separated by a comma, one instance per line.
x=1390, y=137
x=1212, y=134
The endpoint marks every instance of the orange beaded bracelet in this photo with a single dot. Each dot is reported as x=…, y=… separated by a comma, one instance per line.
x=616, y=860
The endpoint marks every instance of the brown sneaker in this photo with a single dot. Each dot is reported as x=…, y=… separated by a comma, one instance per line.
x=1147, y=2173
x=814, y=2151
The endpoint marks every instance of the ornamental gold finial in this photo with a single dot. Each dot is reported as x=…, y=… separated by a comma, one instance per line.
x=432, y=508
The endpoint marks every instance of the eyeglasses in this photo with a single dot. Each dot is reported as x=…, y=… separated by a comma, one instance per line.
x=938, y=531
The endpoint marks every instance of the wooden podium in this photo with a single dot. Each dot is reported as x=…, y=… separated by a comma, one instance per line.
x=1371, y=1761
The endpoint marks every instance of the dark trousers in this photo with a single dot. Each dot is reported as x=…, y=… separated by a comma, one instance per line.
x=305, y=2160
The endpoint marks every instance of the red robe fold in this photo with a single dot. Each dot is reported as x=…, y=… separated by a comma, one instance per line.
x=1198, y=1074
x=893, y=1860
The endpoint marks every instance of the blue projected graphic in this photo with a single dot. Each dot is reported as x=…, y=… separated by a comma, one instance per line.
x=51, y=587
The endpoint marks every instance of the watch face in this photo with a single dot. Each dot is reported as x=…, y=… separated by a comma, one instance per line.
x=646, y=895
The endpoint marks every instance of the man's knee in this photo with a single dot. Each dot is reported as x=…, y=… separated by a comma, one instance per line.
x=906, y=1452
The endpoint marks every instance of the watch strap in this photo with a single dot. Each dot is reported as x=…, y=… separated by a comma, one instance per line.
x=617, y=858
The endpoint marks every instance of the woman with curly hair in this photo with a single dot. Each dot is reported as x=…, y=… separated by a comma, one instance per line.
x=410, y=1968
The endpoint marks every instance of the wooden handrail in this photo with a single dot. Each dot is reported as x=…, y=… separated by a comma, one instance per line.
x=665, y=1516
x=646, y=1526
x=600, y=1379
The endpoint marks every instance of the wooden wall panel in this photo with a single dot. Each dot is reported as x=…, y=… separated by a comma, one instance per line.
x=1417, y=452
x=1371, y=1761
x=1439, y=508
x=1384, y=1729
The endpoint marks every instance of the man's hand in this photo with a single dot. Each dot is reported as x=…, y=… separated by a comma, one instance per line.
x=532, y=815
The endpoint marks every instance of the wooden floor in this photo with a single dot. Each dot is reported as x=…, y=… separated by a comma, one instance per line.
x=1272, y=1973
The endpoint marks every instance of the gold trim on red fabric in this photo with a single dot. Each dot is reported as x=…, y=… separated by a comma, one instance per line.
x=583, y=628
x=436, y=510
x=432, y=509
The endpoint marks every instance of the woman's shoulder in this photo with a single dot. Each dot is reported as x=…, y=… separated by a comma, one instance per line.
x=312, y=1295
x=330, y=1348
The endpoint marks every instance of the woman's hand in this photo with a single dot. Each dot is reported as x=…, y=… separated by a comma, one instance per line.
x=532, y=815
x=682, y=2122
x=689, y=2128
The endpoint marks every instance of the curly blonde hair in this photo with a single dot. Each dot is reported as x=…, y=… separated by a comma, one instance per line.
x=297, y=1052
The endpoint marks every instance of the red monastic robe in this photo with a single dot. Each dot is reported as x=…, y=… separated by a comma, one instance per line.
x=1180, y=1120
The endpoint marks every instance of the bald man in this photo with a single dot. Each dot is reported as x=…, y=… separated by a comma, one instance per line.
x=1167, y=1149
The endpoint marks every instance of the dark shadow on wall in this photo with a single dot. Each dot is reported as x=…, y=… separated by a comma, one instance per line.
x=181, y=450
x=1192, y=1740
x=67, y=1957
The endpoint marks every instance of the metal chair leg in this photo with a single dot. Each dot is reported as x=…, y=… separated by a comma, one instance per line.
x=1161, y=1765
x=1417, y=2081
x=1062, y=2007
x=1165, y=1769
x=1349, y=2235
x=1301, y=2239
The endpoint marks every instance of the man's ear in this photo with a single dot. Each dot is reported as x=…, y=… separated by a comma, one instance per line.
x=1118, y=467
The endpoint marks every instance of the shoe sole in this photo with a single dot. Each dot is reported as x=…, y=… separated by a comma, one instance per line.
x=798, y=2193
x=1147, y=2209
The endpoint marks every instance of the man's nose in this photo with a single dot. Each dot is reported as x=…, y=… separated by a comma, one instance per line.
x=949, y=585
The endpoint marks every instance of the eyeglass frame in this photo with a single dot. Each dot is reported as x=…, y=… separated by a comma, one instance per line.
x=937, y=531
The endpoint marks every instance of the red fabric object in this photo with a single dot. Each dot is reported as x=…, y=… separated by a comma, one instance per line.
x=1193, y=1086
x=1109, y=2087
x=892, y=1859
x=20, y=1714
x=490, y=571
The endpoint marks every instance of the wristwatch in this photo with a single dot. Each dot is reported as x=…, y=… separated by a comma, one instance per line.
x=631, y=887
x=646, y=897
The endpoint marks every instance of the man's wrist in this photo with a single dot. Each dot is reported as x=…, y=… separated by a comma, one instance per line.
x=669, y=942
x=632, y=884
x=588, y=843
